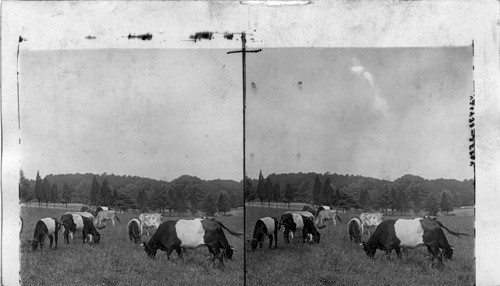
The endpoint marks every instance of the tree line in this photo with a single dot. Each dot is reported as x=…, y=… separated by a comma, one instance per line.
x=347, y=192
x=186, y=193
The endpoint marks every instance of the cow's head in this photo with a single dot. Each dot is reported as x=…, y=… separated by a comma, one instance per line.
x=316, y=237
x=369, y=249
x=34, y=244
x=253, y=243
x=150, y=249
x=448, y=252
x=228, y=252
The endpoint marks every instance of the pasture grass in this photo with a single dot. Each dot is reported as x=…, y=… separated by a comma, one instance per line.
x=338, y=261
x=117, y=261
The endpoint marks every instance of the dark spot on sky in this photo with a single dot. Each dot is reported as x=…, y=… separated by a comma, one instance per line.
x=299, y=85
x=21, y=39
x=251, y=156
x=143, y=37
x=254, y=86
x=201, y=36
x=89, y=37
x=228, y=36
x=299, y=156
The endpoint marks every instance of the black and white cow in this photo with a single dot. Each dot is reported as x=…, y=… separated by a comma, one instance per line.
x=89, y=229
x=45, y=227
x=265, y=226
x=134, y=230
x=411, y=233
x=354, y=229
x=73, y=222
x=192, y=234
x=293, y=222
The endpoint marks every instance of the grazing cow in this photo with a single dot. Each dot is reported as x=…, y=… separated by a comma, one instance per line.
x=106, y=215
x=150, y=220
x=370, y=220
x=73, y=222
x=84, y=214
x=307, y=208
x=192, y=234
x=304, y=213
x=309, y=230
x=134, y=230
x=89, y=229
x=411, y=233
x=354, y=228
x=325, y=215
x=100, y=208
x=295, y=222
x=265, y=226
x=321, y=208
x=45, y=227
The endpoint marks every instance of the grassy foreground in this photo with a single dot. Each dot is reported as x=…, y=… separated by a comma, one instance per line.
x=338, y=261
x=117, y=261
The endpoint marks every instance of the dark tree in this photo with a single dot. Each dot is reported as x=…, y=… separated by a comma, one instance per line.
x=46, y=191
x=403, y=201
x=104, y=195
x=364, y=198
x=194, y=195
x=430, y=204
x=268, y=187
x=94, y=190
x=288, y=194
x=125, y=203
x=180, y=205
x=114, y=197
x=24, y=187
x=261, y=191
x=142, y=200
x=54, y=194
x=415, y=195
x=209, y=205
x=446, y=202
x=66, y=195
x=326, y=195
x=249, y=192
x=316, y=192
x=223, y=204
x=276, y=193
x=39, y=196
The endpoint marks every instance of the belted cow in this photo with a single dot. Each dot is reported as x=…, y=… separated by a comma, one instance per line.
x=304, y=213
x=106, y=215
x=411, y=233
x=370, y=220
x=266, y=226
x=134, y=230
x=150, y=220
x=354, y=229
x=322, y=208
x=84, y=214
x=45, y=227
x=192, y=234
x=326, y=215
x=293, y=222
x=73, y=222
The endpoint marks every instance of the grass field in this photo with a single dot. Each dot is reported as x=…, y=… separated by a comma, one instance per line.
x=117, y=261
x=338, y=261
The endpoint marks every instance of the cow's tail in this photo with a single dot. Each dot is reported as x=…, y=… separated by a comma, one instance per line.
x=457, y=234
x=117, y=219
x=230, y=231
x=338, y=217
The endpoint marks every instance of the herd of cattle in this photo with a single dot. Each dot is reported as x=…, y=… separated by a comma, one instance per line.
x=170, y=235
x=398, y=234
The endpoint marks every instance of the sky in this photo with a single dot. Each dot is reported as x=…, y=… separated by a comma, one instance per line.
x=378, y=112
x=153, y=113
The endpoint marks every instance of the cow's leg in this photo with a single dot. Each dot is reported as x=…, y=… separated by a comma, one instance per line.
x=388, y=251
x=42, y=242
x=270, y=241
x=285, y=236
x=84, y=235
x=398, y=251
x=179, y=251
x=55, y=236
x=113, y=221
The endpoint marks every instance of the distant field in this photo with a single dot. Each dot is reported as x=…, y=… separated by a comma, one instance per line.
x=117, y=261
x=338, y=261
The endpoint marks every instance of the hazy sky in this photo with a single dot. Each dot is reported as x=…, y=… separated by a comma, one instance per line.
x=374, y=112
x=153, y=113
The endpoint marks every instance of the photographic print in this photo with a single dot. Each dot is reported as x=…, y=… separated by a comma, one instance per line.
x=249, y=142
x=131, y=167
x=343, y=141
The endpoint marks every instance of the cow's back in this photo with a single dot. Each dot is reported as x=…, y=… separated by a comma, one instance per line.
x=269, y=223
x=299, y=222
x=50, y=223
